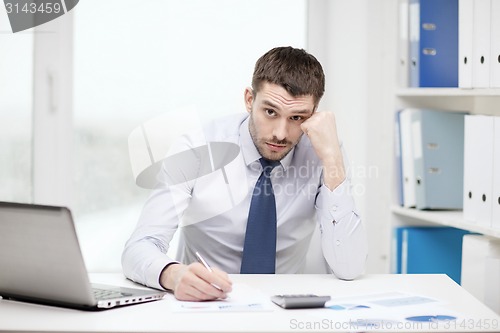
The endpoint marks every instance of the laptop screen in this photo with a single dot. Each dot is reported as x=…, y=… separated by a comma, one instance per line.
x=40, y=255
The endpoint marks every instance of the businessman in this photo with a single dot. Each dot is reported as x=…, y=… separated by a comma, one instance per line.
x=289, y=175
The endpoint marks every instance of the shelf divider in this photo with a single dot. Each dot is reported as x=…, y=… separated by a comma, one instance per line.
x=447, y=92
x=450, y=218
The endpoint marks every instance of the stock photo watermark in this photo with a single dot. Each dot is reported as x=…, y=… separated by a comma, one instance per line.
x=26, y=14
x=392, y=325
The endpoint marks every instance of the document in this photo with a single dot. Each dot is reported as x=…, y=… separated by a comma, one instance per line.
x=243, y=298
x=433, y=35
x=403, y=44
x=399, y=159
x=465, y=42
x=429, y=250
x=407, y=164
x=495, y=44
x=495, y=214
x=477, y=250
x=388, y=310
x=481, y=44
x=478, y=169
x=438, y=155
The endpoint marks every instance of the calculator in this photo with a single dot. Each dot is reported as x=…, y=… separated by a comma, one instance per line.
x=300, y=301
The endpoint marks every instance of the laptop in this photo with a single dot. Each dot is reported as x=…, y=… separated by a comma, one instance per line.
x=41, y=262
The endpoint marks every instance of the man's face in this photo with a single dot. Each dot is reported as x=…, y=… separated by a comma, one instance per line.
x=275, y=118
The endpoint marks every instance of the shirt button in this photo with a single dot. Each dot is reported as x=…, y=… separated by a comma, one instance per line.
x=337, y=242
x=334, y=208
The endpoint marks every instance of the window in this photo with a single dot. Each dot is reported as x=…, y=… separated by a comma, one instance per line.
x=16, y=96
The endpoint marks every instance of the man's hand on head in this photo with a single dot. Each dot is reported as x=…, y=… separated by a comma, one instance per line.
x=321, y=128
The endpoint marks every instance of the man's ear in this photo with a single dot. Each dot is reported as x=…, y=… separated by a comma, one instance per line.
x=248, y=99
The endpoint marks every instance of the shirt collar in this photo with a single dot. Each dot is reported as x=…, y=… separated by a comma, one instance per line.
x=250, y=152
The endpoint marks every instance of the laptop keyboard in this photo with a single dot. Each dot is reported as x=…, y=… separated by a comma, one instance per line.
x=108, y=294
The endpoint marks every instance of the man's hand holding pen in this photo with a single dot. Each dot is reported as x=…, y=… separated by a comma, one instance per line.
x=196, y=282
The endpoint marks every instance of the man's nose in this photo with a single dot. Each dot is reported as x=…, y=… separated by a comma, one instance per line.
x=281, y=130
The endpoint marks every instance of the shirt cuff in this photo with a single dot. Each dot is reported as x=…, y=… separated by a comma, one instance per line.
x=336, y=204
x=154, y=271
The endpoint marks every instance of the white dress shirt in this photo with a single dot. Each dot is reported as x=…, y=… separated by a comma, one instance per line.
x=210, y=208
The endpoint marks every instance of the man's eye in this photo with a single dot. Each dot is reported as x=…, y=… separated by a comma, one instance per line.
x=296, y=118
x=270, y=112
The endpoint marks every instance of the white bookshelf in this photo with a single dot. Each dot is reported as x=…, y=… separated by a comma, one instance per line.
x=449, y=218
x=474, y=101
x=484, y=101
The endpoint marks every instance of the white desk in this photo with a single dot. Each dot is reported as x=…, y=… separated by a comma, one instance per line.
x=158, y=317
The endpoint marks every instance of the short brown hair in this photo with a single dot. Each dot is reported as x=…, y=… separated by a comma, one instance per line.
x=299, y=72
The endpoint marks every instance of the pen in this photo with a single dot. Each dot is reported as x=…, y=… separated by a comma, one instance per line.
x=204, y=263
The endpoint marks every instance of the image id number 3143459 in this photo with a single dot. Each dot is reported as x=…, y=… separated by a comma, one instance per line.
x=472, y=324
x=33, y=8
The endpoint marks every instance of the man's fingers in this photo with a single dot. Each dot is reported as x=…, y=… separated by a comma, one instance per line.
x=221, y=279
x=192, y=293
x=217, y=279
x=199, y=284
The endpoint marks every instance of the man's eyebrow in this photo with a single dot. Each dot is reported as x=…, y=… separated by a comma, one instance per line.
x=303, y=111
x=272, y=105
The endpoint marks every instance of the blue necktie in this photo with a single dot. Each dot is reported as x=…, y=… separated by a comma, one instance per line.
x=259, y=251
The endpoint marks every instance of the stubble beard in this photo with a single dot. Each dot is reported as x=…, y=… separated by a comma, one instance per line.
x=260, y=144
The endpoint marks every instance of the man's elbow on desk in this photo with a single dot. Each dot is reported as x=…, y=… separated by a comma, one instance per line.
x=348, y=272
x=353, y=267
x=349, y=259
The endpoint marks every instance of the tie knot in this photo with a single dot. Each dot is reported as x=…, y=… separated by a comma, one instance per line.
x=268, y=166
